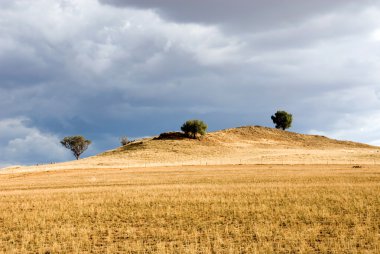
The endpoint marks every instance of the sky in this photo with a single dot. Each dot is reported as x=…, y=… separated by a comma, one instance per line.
x=111, y=68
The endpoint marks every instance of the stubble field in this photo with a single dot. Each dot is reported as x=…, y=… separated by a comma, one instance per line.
x=193, y=209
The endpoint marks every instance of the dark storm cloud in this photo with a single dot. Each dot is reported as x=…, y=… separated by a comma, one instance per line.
x=145, y=68
x=307, y=56
x=243, y=14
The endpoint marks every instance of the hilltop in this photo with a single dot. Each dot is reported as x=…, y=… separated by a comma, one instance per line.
x=242, y=145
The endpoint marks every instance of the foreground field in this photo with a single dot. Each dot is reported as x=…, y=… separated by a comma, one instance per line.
x=198, y=209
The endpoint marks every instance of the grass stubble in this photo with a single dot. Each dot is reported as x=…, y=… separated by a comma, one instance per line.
x=198, y=209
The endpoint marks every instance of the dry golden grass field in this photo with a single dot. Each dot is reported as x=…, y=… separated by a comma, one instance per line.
x=193, y=209
x=126, y=201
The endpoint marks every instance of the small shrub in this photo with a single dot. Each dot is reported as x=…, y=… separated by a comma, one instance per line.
x=170, y=136
x=124, y=141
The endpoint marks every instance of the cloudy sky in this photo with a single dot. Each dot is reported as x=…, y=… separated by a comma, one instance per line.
x=111, y=68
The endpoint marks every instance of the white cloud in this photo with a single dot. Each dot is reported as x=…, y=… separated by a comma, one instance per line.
x=20, y=143
x=361, y=128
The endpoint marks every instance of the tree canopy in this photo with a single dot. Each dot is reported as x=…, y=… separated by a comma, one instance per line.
x=282, y=119
x=77, y=144
x=192, y=128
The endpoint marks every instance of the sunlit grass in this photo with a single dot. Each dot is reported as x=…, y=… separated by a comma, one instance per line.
x=226, y=209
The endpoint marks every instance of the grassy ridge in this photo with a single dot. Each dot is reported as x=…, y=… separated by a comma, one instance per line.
x=224, y=209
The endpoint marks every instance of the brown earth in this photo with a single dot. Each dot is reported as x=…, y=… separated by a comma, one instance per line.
x=242, y=145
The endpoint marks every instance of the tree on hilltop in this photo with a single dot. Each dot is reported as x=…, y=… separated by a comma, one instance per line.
x=77, y=144
x=192, y=128
x=282, y=119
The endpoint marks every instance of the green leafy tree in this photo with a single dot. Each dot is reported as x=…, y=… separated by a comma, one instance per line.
x=77, y=144
x=282, y=119
x=192, y=128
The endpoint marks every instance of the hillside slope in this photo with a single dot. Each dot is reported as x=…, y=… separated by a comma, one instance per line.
x=242, y=145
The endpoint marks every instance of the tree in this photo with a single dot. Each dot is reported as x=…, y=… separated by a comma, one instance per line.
x=77, y=144
x=282, y=119
x=194, y=127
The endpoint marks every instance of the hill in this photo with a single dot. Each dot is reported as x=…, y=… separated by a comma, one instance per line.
x=242, y=145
